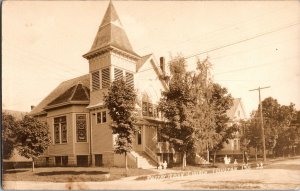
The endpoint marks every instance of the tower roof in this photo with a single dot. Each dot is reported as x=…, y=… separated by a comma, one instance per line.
x=111, y=33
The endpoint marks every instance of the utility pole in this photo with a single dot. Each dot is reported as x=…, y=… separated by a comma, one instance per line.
x=261, y=121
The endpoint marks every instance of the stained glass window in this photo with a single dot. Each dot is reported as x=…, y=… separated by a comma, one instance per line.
x=81, y=128
x=63, y=132
x=56, y=133
x=60, y=129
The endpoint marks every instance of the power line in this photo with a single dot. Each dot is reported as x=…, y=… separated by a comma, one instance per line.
x=251, y=49
x=223, y=28
x=43, y=58
x=234, y=43
x=256, y=66
x=241, y=41
x=58, y=75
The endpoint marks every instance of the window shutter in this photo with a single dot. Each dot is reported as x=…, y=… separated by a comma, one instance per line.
x=95, y=81
x=105, y=78
x=129, y=79
x=118, y=74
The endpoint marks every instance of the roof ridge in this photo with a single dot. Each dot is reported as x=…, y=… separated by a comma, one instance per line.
x=58, y=91
x=74, y=90
x=74, y=78
x=85, y=91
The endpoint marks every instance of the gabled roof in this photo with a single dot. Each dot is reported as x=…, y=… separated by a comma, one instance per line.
x=75, y=93
x=59, y=90
x=142, y=61
x=151, y=58
x=231, y=112
x=111, y=33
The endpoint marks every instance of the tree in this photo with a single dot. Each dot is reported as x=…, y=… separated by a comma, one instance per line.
x=253, y=133
x=32, y=137
x=279, y=134
x=9, y=124
x=221, y=101
x=120, y=102
x=210, y=118
x=204, y=117
x=195, y=108
x=286, y=133
x=243, y=127
x=177, y=105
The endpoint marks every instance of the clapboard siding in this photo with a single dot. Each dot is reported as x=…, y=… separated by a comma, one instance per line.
x=70, y=113
x=102, y=138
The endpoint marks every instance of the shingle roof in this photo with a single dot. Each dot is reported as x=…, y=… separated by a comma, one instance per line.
x=75, y=93
x=111, y=33
x=60, y=89
x=141, y=62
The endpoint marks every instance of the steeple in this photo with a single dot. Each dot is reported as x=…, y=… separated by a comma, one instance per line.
x=111, y=34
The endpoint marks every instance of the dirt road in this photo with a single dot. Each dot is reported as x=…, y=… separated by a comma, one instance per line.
x=279, y=175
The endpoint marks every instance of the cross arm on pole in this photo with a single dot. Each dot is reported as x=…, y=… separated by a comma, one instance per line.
x=260, y=88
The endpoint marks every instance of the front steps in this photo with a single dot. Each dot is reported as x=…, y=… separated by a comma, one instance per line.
x=144, y=161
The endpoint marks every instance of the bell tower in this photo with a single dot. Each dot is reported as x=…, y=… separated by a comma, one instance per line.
x=110, y=57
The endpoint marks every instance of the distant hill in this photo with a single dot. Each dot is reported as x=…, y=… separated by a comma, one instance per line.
x=17, y=114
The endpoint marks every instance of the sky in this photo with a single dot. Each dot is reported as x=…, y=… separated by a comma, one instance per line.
x=248, y=43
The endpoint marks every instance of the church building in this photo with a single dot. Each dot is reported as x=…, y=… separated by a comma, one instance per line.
x=79, y=123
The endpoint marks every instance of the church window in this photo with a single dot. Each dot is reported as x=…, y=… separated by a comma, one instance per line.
x=118, y=74
x=105, y=78
x=101, y=117
x=150, y=109
x=60, y=130
x=155, y=111
x=95, y=81
x=81, y=128
x=129, y=79
x=56, y=133
x=139, y=136
x=145, y=108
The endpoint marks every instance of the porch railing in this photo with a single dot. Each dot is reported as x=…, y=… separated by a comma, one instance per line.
x=163, y=147
x=151, y=154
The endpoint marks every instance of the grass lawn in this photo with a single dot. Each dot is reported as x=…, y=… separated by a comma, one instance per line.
x=71, y=174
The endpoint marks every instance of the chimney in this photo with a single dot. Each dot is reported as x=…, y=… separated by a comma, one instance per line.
x=162, y=64
x=32, y=107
